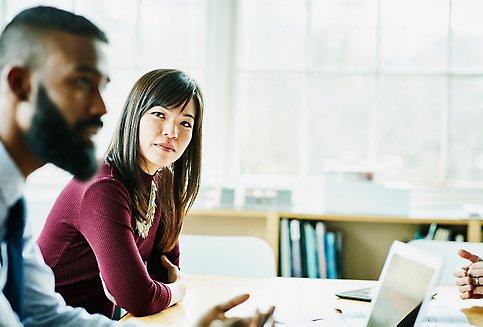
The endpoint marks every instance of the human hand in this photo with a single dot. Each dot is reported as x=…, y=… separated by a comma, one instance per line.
x=174, y=274
x=215, y=317
x=176, y=280
x=467, y=277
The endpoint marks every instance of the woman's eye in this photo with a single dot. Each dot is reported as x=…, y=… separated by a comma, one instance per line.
x=158, y=114
x=186, y=124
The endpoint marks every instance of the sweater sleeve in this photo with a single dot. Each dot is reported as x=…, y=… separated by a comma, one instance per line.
x=104, y=220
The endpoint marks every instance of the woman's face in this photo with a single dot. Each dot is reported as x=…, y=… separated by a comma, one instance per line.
x=164, y=134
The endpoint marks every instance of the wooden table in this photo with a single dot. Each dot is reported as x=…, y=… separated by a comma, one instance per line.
x=299, y=298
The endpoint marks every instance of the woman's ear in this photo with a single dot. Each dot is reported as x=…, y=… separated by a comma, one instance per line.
x=18, y=79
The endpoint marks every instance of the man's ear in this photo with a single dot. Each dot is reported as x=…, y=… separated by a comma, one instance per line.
x=18, y=79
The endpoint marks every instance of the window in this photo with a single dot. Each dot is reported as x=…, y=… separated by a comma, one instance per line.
x=294, y=87
x=374, y=82
x=143, y=35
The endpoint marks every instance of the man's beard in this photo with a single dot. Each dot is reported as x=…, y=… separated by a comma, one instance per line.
x=52, y=139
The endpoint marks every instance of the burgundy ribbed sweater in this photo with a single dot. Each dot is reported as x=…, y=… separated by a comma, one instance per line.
x=90, y=231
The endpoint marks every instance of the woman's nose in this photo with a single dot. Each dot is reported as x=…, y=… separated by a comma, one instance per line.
x=169, y=129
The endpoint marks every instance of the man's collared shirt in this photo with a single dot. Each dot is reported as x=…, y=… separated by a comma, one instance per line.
x=42, y=306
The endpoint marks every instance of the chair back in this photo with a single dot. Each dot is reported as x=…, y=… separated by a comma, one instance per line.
x=448, y=251
x=226, y=255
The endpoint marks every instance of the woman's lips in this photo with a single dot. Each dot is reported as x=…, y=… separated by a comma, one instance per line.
x=165, y=147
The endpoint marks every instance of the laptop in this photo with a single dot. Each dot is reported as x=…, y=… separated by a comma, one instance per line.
x=405, y=287
x=362, y=294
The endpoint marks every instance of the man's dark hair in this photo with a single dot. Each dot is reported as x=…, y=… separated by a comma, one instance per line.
x=23, y=38
x=57, y=19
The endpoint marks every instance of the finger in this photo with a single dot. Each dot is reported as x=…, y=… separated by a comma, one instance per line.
x=268, y=314
x=465, y=288
x=256, y=320
x=267, y=317
x=271, y=310
x=464, y=281
x=465, y=295
x=468, y=255
x=477, y=290
x=460, y=272
x=475, y=272
x=233, y=302
x=478, y=264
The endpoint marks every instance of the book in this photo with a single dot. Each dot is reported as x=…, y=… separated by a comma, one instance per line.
x=339, y=238
x=418, y=235
x=442, y=234
x=311, y=250
x=303, y=250
x=431, y=231
x=295, y=248
x=331, y=253
x=320, y=235
x=285, y=255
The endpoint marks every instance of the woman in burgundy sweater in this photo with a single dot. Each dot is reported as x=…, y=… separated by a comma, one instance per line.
x=114, y=239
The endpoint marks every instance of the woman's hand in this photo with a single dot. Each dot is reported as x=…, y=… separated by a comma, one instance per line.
x=176, y=280
x=468, y=277
x=215, y=317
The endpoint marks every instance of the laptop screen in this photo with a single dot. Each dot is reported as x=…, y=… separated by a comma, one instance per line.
x=408, y=278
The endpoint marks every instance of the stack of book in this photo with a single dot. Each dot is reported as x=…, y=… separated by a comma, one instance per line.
x=307, y=249
x=439, y=233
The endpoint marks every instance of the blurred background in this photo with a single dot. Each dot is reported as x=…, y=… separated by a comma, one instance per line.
x=325, y=103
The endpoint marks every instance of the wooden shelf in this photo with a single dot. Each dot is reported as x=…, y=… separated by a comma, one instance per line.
x=366, y=238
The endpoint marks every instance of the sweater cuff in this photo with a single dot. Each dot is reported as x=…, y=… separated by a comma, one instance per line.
x=169, y=295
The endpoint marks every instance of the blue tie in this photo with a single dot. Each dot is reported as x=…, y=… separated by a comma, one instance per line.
x=14, y=287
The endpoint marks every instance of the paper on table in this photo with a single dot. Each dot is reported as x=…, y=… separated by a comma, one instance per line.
x=334, y=319
x=444, y=315
x=296, y=317
x=436, y=315
x=355, y=315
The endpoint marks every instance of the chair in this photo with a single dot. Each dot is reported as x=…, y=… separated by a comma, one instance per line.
x=447, y=250
x=226, y=255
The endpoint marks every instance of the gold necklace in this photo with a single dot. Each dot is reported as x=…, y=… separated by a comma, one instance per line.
x=143, y=226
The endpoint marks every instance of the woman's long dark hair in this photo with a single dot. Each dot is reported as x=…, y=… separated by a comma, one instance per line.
x=177, y=184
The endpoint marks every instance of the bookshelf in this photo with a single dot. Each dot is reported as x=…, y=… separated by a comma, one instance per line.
x=366, y=238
